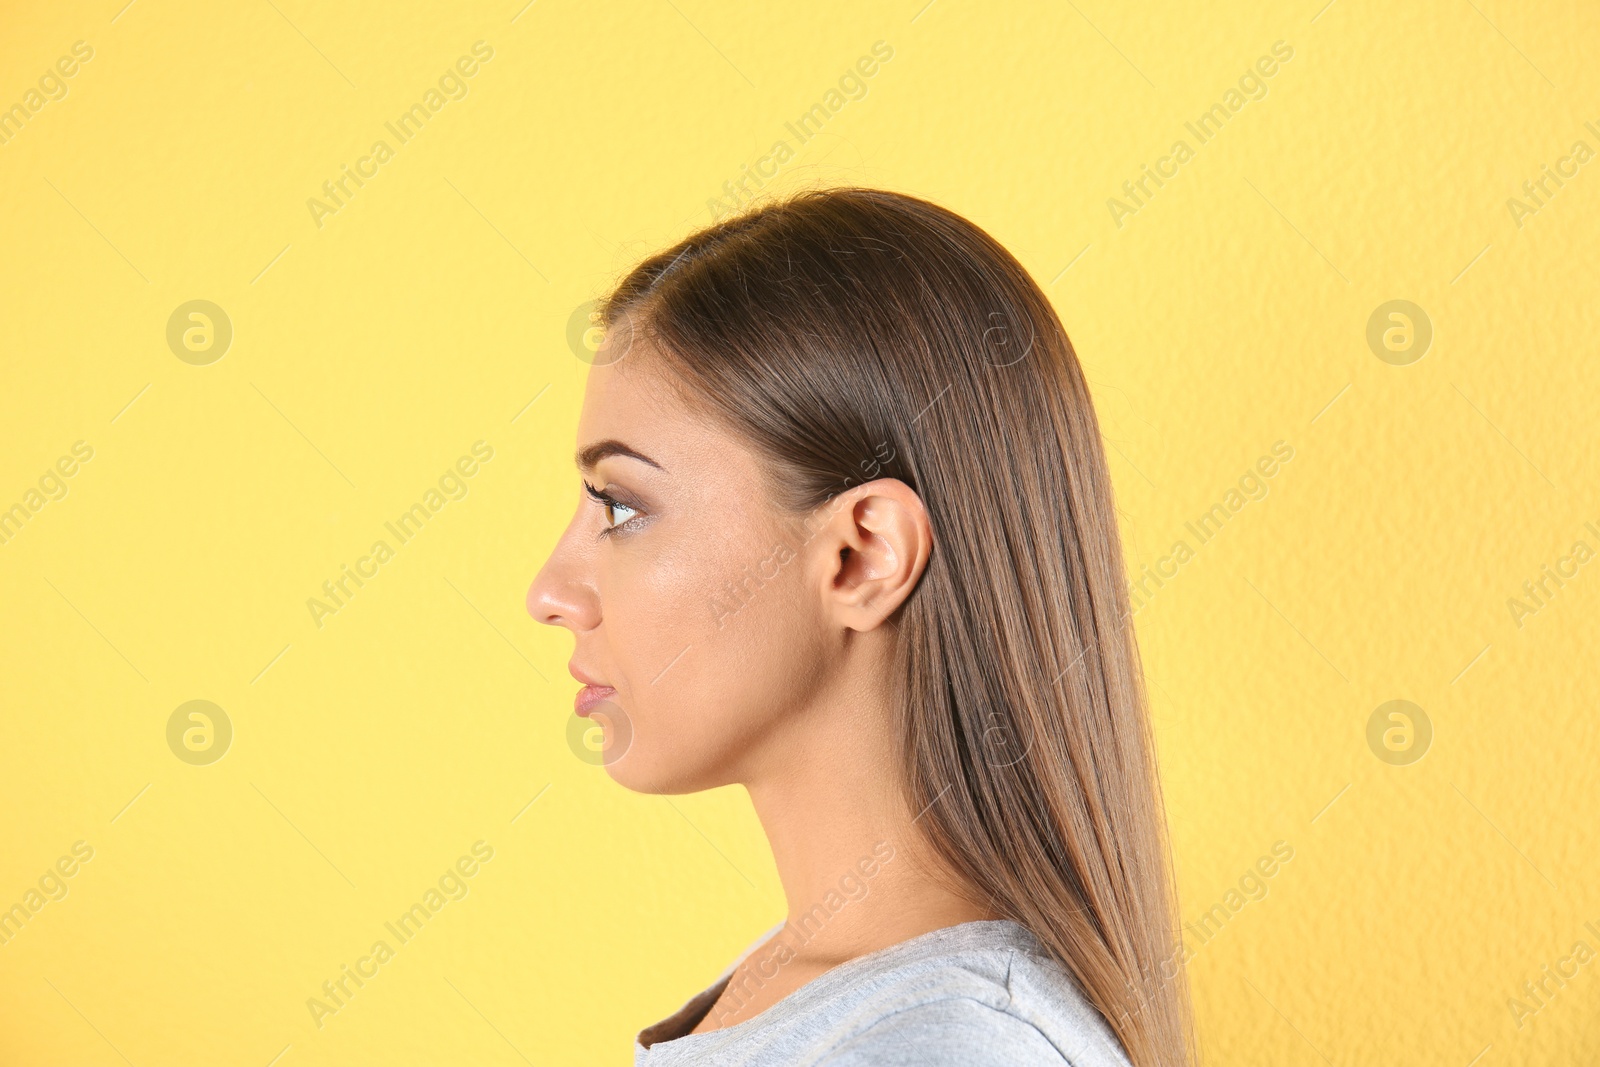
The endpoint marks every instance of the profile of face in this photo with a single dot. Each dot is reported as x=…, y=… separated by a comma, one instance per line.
x=719, y=622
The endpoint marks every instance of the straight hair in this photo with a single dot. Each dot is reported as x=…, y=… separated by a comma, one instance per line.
x=850, y=334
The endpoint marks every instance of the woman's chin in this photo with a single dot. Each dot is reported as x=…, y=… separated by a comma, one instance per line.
x=637, y=772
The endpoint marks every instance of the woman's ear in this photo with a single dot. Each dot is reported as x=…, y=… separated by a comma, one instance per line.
x=871, y=552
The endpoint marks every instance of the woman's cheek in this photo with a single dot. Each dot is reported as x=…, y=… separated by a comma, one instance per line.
x=659, y=614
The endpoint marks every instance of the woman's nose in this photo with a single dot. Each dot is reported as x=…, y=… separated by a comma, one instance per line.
x=561, y=594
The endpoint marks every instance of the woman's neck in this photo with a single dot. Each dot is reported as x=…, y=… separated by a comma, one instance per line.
x=857, y=870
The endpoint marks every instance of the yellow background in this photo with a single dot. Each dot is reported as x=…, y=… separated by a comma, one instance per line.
x=1228, y=313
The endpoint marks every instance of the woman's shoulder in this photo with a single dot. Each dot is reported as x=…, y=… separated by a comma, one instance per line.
x=946, y=1033
x=976, y=994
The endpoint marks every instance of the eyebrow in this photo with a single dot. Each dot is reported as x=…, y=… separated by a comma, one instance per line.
x=586, y=458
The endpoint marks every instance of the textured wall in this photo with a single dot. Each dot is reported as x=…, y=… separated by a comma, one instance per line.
x=187, y=484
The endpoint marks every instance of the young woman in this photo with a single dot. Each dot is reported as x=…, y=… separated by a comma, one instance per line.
x=847, y=539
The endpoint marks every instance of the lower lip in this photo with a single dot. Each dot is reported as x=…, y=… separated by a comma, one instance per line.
x=590, y=696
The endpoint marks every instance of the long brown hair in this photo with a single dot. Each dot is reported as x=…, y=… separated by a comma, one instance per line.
x=851, y=334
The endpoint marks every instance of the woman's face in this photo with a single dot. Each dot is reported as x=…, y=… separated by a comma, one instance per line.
x=687, y=597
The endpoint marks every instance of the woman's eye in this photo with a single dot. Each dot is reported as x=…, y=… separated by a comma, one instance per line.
x=613, y=508
x=617, y=513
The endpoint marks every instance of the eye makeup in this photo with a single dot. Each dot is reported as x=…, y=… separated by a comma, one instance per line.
x=613, y=505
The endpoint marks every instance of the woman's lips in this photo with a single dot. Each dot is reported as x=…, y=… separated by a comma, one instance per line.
x=591, y=695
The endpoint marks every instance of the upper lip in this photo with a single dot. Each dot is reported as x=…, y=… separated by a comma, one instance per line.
x=578, y=673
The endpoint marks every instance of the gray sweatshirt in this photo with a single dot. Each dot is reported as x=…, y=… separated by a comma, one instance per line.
x=978, y=994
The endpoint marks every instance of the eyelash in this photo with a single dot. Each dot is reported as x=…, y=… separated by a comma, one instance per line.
x=609, y=502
